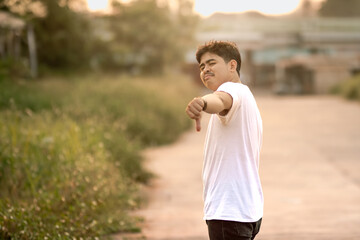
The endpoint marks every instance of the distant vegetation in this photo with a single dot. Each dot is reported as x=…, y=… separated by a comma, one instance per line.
x=349, y=89
x=138, y=37
x=70, y=151
x=340, y=8
x=70, y=146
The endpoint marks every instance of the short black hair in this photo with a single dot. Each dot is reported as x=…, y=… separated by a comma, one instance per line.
x=225, y=49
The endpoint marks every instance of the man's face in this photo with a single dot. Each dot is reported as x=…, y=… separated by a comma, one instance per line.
x=214, y=71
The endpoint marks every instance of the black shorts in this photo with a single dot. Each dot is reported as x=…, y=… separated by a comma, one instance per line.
x=230, y=230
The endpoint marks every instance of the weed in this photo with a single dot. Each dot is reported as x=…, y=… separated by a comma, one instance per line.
x=70, y=152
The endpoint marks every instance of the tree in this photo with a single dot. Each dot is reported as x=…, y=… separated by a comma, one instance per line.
x=306, y=8
x=63, y=36
x=340, y=8
x=147, y=36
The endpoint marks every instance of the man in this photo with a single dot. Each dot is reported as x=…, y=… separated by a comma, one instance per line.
x=233, y=198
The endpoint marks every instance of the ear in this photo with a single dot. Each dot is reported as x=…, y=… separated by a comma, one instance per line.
x=232, y=65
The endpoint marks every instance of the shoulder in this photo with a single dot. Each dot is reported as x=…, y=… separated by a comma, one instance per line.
x=232, y=88
x=230, y=84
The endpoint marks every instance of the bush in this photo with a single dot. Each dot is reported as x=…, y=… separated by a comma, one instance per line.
x=54, y=178
x=11, y=68
x=70, y=162
x=350, y=88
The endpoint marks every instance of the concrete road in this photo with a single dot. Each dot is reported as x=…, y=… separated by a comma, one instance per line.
x=310, y=163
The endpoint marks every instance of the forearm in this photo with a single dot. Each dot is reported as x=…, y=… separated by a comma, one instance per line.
x=214, y=103
x=217, y=102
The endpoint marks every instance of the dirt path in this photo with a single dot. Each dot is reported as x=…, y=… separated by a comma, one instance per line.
x=310, y=165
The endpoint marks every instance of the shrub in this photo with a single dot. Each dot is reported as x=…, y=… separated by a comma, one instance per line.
x=70, y=152
x=11, y=68
x=350, y=88
x=54, y=178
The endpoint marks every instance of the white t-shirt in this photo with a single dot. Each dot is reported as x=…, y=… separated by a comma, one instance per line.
x=232, y=188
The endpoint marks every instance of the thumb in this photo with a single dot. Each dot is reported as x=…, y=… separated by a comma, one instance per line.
x=198, y=124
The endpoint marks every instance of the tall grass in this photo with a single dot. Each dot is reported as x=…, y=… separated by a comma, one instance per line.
x=70, y=162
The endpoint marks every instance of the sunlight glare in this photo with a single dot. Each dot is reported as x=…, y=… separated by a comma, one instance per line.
x=97, y=5
x=270, y=7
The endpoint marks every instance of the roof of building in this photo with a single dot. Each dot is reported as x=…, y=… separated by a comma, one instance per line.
x=321, y=61
x=9, y=21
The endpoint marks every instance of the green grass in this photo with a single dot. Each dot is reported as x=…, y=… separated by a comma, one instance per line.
x=349, y=89
x=70, y=151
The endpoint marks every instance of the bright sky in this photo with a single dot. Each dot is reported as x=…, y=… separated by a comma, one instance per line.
x=98, y=5
x=272, y=7
x=208, y=7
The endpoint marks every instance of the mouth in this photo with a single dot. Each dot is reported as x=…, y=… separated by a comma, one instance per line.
x=208, y=75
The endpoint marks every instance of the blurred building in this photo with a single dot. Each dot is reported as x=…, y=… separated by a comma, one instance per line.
x=10, y=32
x=319, y=51
x=314, y=73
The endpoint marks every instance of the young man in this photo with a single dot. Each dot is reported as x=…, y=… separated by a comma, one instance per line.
x=233, y=198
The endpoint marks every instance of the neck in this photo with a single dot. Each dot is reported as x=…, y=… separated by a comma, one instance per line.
x=235, y=78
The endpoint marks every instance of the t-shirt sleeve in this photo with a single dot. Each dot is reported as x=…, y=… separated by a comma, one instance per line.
x=233, y=90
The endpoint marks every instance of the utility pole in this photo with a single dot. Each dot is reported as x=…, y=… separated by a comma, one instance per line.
x=32, y=51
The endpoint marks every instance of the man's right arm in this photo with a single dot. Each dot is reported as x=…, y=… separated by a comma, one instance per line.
x=216, y=103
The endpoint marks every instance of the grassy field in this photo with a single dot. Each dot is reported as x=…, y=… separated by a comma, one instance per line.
x=70, y=151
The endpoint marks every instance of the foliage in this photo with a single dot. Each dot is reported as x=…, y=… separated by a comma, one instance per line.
x=10, y=67
x=147, y=37
x=53, y=179
x=350, y=88
x=143, y=34
x=340, y=8
x=63, y=37
x=70, y=163
x=144, y=37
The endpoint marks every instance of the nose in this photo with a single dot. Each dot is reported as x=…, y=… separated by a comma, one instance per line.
x=206, y=69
